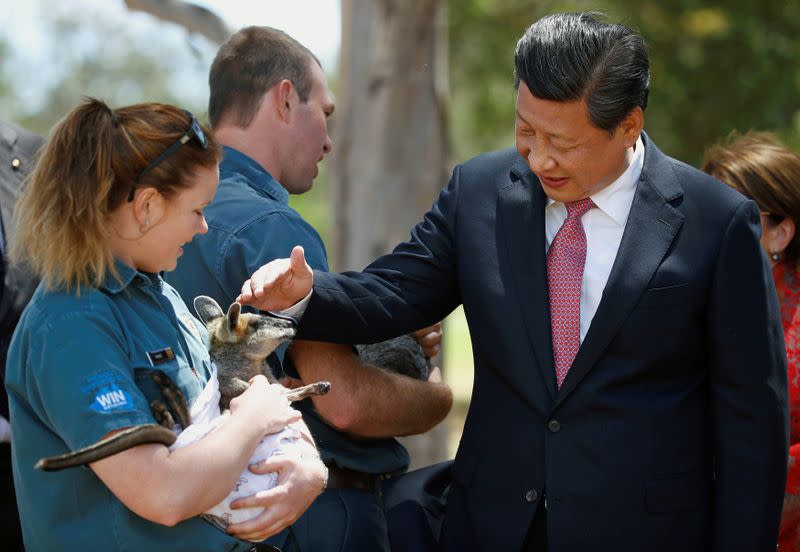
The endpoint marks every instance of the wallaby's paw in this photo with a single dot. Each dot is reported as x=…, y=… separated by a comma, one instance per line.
x=162, y=415
x=174, y=397
x=311, y=390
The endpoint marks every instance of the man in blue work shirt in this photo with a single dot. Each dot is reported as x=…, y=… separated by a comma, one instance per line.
x=269, y=106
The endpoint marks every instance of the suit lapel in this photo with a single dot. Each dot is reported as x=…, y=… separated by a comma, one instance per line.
x=652, y=225
x=521, y=208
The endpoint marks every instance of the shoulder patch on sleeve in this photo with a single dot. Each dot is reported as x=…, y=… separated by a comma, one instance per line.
x=105, y=394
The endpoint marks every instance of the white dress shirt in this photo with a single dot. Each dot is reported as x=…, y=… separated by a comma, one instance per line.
x=603, y=227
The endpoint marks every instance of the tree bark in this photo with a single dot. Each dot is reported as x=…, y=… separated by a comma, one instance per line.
x=390, y=140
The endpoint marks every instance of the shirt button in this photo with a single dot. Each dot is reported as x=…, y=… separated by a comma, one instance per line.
x=554, y=426
x=532, y=495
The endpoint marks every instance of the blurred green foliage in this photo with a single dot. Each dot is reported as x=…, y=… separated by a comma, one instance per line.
x=314, y=205
x=124, y=59
x=715, y=67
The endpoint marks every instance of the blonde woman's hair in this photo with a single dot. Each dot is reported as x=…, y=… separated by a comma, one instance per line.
x=85, y=172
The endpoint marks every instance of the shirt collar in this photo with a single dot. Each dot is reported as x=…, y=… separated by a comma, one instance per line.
x=615, y=200
x=234, y=161
x=127, y=276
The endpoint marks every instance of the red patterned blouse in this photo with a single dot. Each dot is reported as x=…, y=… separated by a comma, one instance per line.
x=787, y=282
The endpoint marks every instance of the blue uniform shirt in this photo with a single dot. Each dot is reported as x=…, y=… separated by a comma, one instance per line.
x=78, y=368
x=250, y=223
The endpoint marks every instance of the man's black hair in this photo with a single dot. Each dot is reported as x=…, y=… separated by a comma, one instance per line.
x=573, y=56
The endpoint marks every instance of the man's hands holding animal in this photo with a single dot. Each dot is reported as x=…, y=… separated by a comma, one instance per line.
x=301, y=479
x=430, y=339
x=266, y=404
x=278, y=284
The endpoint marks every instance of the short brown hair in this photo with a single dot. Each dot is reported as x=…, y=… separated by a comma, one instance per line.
x=248, y=64
x=85, y=172
x=760, y=167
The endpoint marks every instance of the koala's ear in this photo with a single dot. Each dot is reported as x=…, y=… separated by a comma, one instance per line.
x=233, y=315
x=207, y=309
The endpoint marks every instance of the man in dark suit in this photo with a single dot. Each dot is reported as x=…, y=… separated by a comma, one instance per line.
x=17, y=150
x=630, y=376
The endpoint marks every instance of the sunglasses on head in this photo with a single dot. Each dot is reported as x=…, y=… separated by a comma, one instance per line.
x=195, y=131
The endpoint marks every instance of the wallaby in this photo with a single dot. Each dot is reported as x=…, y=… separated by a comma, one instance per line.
x=402, y=354
x=240, y=344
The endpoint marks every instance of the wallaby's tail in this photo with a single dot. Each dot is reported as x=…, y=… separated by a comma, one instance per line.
x=128, y=438
x=300, y=393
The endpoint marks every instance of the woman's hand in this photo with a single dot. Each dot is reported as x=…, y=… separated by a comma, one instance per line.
x=301, y=479
x=265, y=404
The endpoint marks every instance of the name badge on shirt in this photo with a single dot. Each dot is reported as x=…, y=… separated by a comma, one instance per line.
x=161, y=356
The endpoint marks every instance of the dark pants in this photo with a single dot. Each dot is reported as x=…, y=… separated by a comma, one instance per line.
x=340, y=520
x=10, y=531
x=415, y=504
x=536, y=541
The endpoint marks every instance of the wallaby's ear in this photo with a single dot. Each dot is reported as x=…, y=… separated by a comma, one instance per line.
x=233, y=315
x=207, y=309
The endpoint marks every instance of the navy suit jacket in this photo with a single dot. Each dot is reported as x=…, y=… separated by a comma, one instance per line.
x=670, y=431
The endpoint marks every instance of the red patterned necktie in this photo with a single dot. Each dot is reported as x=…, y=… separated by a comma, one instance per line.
x=565, y=260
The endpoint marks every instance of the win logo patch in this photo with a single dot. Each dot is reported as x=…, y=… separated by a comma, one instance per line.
x=112, y=399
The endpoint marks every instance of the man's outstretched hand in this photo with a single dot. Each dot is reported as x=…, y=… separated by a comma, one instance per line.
x=278, y=284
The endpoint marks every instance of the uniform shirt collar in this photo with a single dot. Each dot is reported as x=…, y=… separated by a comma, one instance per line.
x=615, y=200
x=127, y=276
x=236, y=162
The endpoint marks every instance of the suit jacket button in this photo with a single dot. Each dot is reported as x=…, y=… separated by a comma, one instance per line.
x=554, y=426
x=532, y=495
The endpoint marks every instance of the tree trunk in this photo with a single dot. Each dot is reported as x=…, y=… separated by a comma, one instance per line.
x=390, y=139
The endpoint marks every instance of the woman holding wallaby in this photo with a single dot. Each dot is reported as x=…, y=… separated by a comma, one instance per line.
x=114, y=197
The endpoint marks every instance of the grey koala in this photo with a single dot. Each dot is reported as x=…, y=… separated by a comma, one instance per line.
x=240, y=344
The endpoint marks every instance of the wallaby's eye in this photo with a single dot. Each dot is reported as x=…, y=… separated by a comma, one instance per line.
x=254, y=323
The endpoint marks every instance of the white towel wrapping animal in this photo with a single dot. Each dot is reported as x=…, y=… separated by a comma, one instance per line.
x=206, y=416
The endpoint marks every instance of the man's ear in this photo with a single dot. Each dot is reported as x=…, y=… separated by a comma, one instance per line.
x=632, y=126
x=285, y=97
